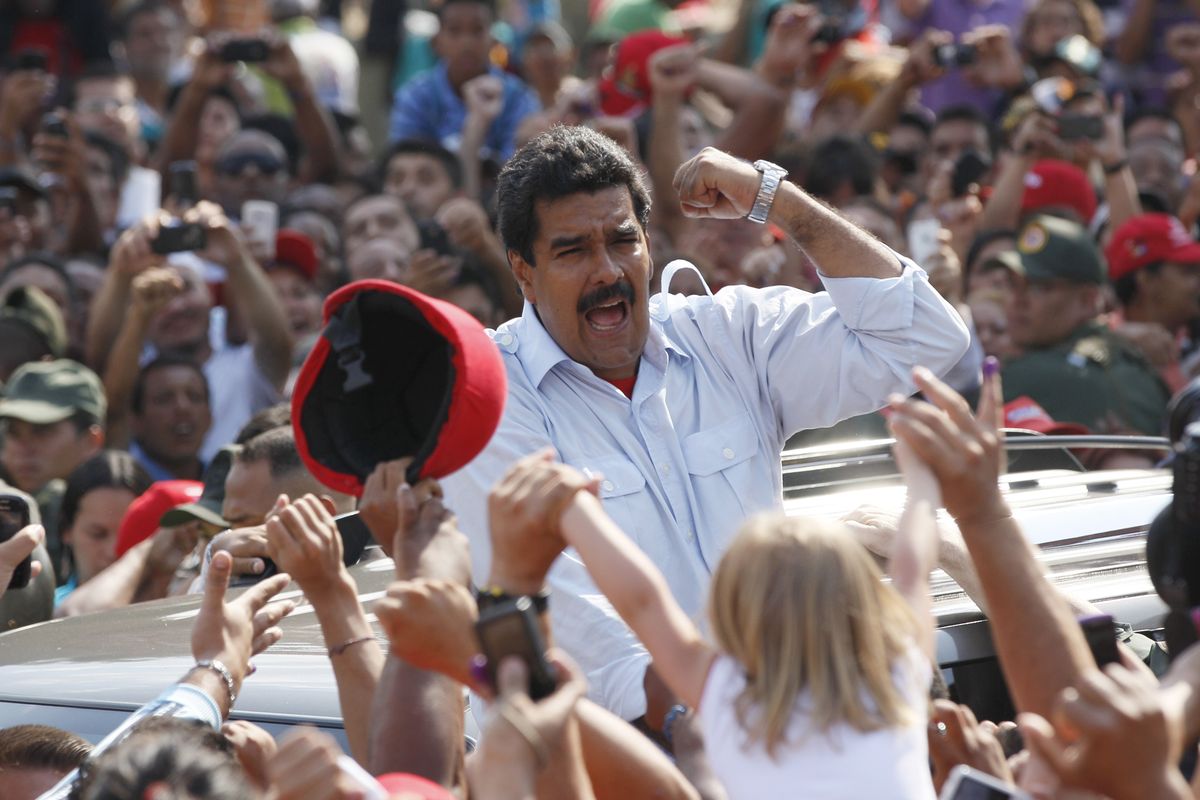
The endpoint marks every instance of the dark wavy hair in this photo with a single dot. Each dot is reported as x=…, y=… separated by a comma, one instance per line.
x=108, y=469
x=560, y=162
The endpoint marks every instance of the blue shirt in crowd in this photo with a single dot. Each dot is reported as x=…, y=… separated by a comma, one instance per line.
x=427, y=107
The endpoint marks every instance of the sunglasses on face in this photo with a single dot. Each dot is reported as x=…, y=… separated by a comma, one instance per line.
x=236, y=163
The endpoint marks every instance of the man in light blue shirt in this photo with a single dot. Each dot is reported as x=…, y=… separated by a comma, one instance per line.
x=682, y=404
x=434, y=104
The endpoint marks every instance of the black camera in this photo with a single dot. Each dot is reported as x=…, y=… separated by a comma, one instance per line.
x=954, y=55
x=1072, y=127
x=249, y=50
x=181, y=184
x=14, y=515
x=511, y=629
x=54, y=124
x=179, y=237
x=31, y=58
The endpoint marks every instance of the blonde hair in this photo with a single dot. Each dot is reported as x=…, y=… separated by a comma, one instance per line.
x=800, y=605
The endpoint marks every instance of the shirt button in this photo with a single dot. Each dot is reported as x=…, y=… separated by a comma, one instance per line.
x=607, y=486
x=728, y=453
x=504, y=339
x=665, y=469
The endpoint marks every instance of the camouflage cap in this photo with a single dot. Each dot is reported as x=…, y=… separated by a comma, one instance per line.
x=45, y=392
x=1052, y=248
x=31, y=308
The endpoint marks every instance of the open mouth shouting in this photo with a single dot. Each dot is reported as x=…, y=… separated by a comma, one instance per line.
x=608, y=308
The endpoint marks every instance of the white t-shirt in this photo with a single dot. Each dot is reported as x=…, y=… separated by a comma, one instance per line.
x=844, y=763
x=238, y=389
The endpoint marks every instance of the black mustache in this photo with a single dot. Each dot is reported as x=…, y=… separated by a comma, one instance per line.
x=621, y=290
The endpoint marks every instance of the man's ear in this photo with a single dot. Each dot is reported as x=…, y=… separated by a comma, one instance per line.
x=523, y=272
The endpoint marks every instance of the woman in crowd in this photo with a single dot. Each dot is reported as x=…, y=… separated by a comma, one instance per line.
x=97, y=495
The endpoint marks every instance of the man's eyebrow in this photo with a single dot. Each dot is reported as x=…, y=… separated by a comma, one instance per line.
x=560, y=242
x=625, y=228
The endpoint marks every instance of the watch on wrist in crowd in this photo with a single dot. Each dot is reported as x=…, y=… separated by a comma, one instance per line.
x=488, y=596
x=772, y=177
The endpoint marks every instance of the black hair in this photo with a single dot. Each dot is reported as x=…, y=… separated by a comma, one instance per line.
x=121, y=26
x=94, y=70
x=1152, y=112
x=118, y=159
x=448, y=160
x=966, y=113
x=108, y=469
x=490, y=5
x=1125, y=287
x=983, y=239
x=471, y=272
x=284, y=132
x=838, y=160
x=137, y=400
x=269, y=418
x=42, y=258
x=558, y=163
x=41, y=747
x=221, y=92
x=188, y=758
x=277, y=447
x=916, y=119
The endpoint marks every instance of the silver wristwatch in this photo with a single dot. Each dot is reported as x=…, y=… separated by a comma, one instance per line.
x=772, y=176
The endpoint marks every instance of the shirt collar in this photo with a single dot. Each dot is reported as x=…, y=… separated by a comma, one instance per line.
x=539, y=353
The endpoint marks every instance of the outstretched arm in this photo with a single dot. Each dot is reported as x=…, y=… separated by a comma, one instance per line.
x=639, y=593
x=916, y=550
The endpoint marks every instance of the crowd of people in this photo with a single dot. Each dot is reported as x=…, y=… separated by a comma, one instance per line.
x=698, y=233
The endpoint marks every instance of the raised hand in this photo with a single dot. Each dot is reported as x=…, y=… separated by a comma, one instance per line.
x=484, y=97
x=956, y=737
x=431, y=626
x=306, y=767
x=153, y=289
x=16, y=550
x=964, y=451
x=716, y=185
x=254, y=749
x=303, y=540
x=673, y=71
x=1110, y=734
x=231, y=632
x=789, y=47
x=524, y=514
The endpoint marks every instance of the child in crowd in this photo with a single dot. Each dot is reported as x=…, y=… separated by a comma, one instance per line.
x=817, y=682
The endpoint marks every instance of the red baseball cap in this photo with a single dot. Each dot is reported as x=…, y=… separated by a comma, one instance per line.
x=395, y=374
x=1149, y=238
x=295, y=250
x=144, y=515
x=625, y=88
x=1024, y=412
x=404, y=786
x=1061, y=184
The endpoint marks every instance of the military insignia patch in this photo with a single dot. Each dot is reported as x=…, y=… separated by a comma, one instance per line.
x=1033, y=239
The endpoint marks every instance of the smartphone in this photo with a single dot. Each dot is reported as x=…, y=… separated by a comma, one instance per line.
x=969, y=170
x=8, y=199
x=830, y=32
x=1080, y=126
x=260, y=218
x=954, y=55
x=511, y=629
x=1101, y=635
x=54, y=124
x=249, y=50
x=14, y=515
x=923, y=239
x=1050, y=93
x=179, y=237
x=181, y=183
x=31, y=58
x=965, y=783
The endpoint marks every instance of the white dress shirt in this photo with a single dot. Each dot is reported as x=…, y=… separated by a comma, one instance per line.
x=723, y=382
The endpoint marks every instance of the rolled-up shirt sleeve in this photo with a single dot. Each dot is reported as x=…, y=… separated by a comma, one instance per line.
x=824, y=357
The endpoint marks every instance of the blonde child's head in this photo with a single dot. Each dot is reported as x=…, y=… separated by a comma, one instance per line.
x=800, y=605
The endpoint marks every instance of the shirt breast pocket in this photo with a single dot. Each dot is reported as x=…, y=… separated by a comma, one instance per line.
x=622, y=489
x=720, y=462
